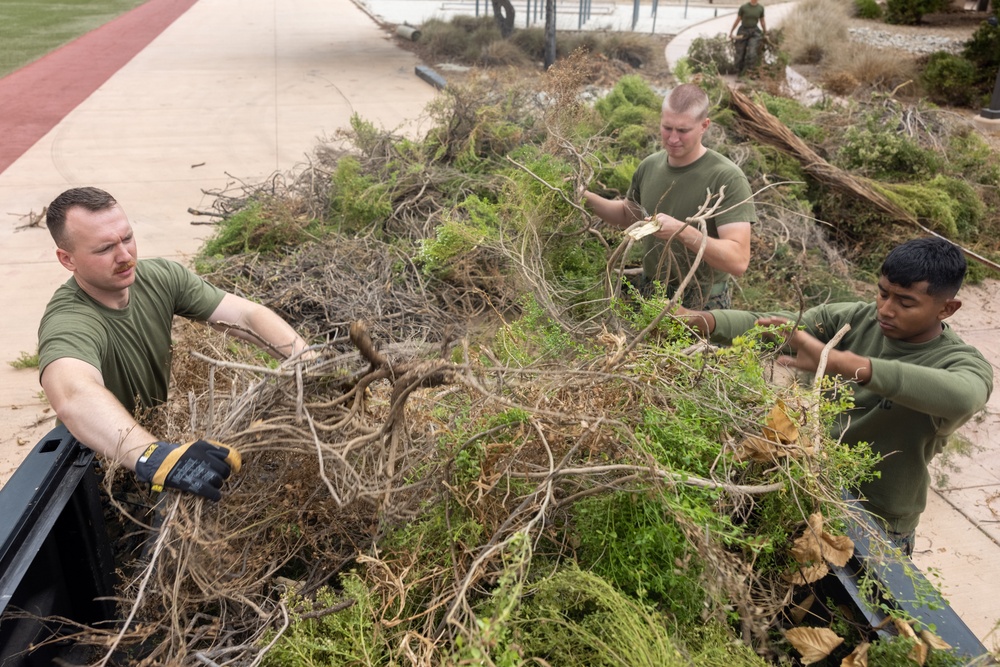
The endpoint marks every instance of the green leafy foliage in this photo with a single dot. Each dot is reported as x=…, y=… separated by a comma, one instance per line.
x=358, y=201
x=888, y=155
x=868, y=9
x=634, y=542
x=25, y=360
x=467, y=227
x=970, y=156
x=264, y=226
x=616, y=568
x=346, y=637
x=577, y=618
x=948, y=204
x=896, y=652
x=983, y=51
x=799, y=118
x=534, y=336
x=912, y=11
x=949, y=78
x=711, y=55
x=631, y=102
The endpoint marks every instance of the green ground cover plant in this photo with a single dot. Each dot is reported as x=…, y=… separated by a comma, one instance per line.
x=31, y=28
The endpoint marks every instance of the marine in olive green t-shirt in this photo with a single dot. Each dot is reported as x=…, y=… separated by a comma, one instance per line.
x=917, y=396
x=750, y=14
x=680, y=192
x=132, y=346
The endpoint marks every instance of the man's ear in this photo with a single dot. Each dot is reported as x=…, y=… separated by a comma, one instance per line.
x=65, y=259
x=949, y=308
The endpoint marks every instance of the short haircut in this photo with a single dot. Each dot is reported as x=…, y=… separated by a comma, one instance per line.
x=92, y=199
x=687, y=98
x=939, y=262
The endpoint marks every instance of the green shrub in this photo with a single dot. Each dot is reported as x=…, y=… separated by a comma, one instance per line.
x=799, y=118
x=502, y=53
x=480, y=40
x=531, y=41
x=444, y=40
x=25, y=360
x=630, y=91
x=910, y=12
x=266, y=226
x=358, y=200
x=885, y=154
x=568, y=43
x=948, y=204
x=949, y=79
x=868, y=9
x=633, y=542
x=464, y=229
x=628, y=47
x=983, y=51
x=711, y=55
x=970, y=155
x=578, y=618
x=534, y=336
x=346, y=637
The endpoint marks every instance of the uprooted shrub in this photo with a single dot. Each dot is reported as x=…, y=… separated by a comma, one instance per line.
x=501, y=454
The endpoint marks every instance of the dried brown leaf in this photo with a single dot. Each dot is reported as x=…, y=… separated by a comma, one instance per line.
x=933, y=640
x=858, y=657
x=759, y=449
x=837, y=549
x=813, y=644
x=815, y=544
x=807, y=547
x=904, y=628
x=799, y=611
x=807, y=575
x=780, y=428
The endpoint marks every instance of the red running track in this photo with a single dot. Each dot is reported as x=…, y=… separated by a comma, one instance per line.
x=36, y=97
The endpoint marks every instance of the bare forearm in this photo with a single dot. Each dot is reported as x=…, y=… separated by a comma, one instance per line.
x=259, y=325
x=730, y=253
x=619, y=213
x=701, y=321
x=96, y=418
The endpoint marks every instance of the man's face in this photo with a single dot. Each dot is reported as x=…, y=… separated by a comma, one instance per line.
x=100, y=252
x=681, y=135
x=910, y=314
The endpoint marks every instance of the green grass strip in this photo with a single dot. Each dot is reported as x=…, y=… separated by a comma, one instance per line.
x=31, y=28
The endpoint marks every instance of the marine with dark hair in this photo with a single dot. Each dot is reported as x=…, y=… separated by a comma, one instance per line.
x=915, y=381
x=104, y=342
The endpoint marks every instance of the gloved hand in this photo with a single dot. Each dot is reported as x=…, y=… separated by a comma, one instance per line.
x=197, y=467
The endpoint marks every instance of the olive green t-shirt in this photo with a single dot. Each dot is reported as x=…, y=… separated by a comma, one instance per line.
x=132, y=346
x=918, y=395
x=680, y=192
x=750, y=15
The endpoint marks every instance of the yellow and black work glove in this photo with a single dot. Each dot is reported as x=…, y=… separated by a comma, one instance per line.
x=198, y=467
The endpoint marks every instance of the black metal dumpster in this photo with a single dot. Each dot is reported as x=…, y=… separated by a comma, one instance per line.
x=55, y=556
